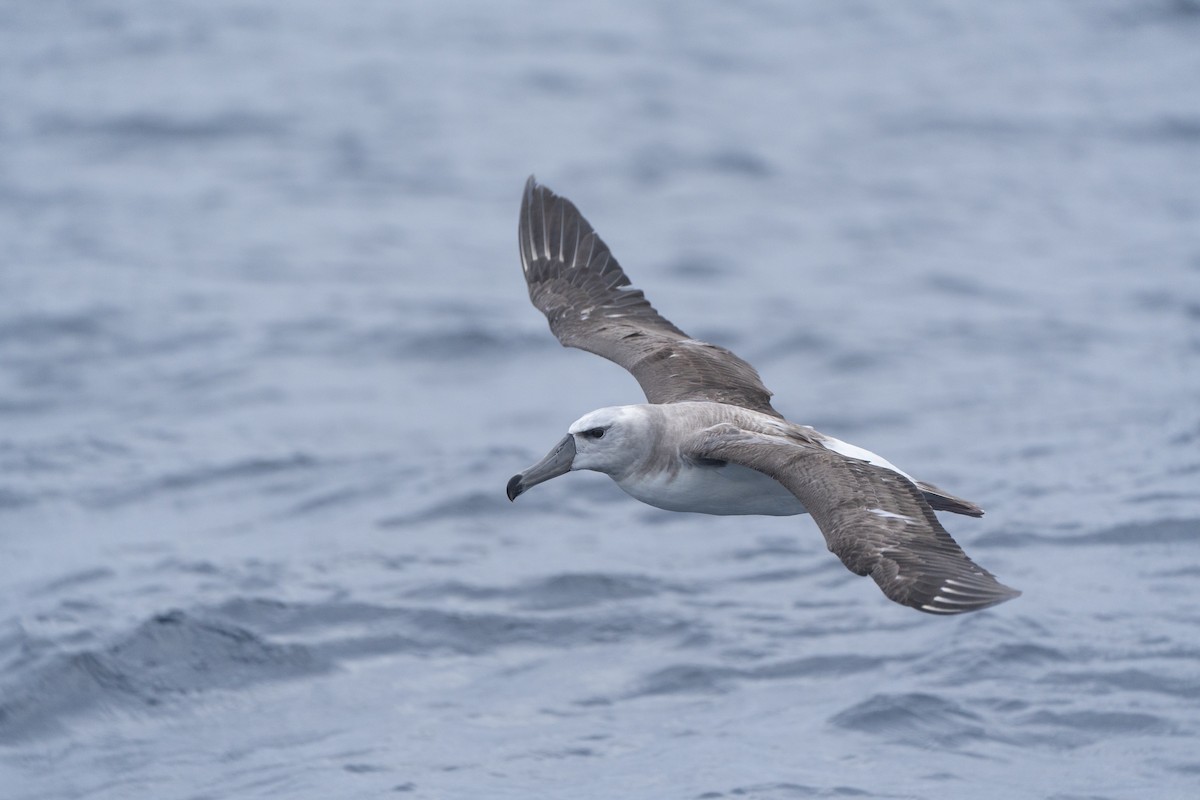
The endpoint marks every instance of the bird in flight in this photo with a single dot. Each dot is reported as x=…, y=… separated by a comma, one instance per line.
x=709, y=441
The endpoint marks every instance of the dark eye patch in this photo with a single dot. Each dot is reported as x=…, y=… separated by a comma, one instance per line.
x=594, y=433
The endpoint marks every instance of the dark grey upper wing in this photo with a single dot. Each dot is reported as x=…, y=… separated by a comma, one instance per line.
x=874, y=519
x=575, y=281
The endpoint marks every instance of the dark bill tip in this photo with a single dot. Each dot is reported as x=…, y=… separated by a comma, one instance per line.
x=557, y=462
x=515, y=487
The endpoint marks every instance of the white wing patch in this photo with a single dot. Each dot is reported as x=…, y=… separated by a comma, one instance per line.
x=939, y=610
x=879, y=512
x=945, y=602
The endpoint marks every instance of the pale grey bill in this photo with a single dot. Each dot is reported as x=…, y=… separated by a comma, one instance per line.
x=557, y=462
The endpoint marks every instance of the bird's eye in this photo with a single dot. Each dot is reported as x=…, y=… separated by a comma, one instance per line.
x=594, y=433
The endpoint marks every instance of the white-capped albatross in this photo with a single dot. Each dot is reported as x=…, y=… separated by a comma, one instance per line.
x=709, y=440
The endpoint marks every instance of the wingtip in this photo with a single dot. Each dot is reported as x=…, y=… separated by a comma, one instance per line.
x=528, y=222
x=531, y=185
x=956, y=596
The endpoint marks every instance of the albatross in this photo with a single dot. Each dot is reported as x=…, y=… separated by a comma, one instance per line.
x=709, y=440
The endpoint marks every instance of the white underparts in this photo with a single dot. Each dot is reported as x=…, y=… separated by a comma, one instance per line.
x=854, y=451
x=727, y=490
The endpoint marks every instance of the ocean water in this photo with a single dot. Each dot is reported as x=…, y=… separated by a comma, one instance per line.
x=267, y=363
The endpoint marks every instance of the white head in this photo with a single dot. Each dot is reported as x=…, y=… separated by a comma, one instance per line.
x=609, y=440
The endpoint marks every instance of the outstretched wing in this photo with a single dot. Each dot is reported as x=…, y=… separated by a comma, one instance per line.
x=875, y=520
x=575, y=281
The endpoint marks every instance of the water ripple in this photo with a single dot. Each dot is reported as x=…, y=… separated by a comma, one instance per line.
x=915, y=719
x=168, y=657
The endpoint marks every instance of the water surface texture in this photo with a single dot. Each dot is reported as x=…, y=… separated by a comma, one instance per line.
x=267, y=363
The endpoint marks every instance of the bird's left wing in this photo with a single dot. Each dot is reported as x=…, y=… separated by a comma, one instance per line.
x=875, y=520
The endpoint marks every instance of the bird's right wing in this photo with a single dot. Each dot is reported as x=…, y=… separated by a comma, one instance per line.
x=575, y=281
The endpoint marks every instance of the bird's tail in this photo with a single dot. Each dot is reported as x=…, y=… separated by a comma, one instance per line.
x=941, y=500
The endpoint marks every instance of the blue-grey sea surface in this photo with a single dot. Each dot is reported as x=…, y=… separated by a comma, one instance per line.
x=267, y=362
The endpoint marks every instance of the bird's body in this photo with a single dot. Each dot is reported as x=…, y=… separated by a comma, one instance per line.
x=703, y=486
x=709, y=440
x=717, y=488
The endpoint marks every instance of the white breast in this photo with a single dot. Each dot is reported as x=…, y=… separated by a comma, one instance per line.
x=730, y=489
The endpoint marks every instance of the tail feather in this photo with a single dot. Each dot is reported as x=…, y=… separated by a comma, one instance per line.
x=941, y=500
